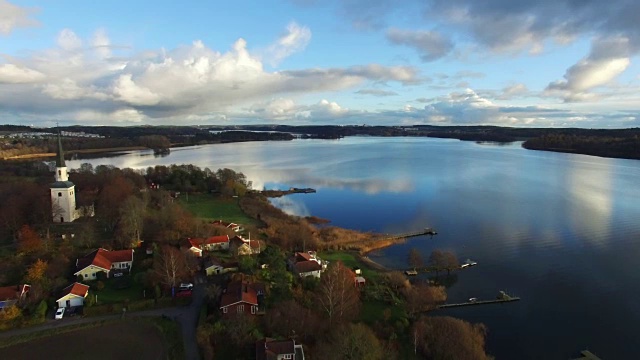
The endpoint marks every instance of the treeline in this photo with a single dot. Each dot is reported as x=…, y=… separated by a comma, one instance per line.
x=608, y=146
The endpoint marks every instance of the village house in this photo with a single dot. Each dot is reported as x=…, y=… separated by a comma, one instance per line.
x=11, y=295
x=213, y=243
x=73, y=295
x=271, y=349
x=213, y=266
x=241, y=297
x=306, y=264
x=241, y=246
x=101, y=260
x=229, y=225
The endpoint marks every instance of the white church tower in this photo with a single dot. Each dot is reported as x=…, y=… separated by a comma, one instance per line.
x=63, y=193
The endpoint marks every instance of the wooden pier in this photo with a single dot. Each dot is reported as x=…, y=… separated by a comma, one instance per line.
x=425, y=231
x=502, y=298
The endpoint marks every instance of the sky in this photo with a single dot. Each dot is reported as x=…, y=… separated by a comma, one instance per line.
x=544, y=63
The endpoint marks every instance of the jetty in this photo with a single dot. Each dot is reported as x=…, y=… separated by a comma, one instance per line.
x=425, y=231
x=293, y=190
x=501, y=298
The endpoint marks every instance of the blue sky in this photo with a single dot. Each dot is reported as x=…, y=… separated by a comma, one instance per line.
x=379, y=62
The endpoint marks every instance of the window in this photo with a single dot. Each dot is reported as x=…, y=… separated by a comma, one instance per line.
x=240, y=308
x=288, y=356
x=224, y=310
x=59, y=194
x=59, y=172
x=253, y=309
x=86, y=275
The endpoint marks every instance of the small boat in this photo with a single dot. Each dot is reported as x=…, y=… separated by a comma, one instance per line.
x=468, y=263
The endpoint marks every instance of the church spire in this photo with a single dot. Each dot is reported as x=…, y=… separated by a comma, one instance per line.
x=60, y=155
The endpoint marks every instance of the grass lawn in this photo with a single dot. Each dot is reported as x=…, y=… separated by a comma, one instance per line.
x=116, y=290
x=373, y=311
x=350, y=260
x=215, y=207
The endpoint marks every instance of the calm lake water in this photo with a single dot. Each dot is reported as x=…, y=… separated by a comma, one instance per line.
x=559, y=230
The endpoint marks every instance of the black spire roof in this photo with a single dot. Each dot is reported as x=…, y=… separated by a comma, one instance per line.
x=60, y=154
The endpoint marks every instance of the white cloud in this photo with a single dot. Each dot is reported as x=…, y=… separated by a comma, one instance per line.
x=376, y=92
x=608, y=59
x=294, y=40
x=284, y=109
x=431, y=45
x=13, y=74
x=14, y=16
x=167, y=85
x=68, y=40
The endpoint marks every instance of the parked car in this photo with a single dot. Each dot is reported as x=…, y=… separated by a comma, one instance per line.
x=186, y=286
x=473, y=299
x=59, y=313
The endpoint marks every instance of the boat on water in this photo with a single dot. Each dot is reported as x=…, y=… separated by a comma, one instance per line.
x=468, y=263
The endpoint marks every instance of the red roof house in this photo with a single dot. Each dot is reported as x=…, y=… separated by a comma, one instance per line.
x=73, y=295
x=241, y=297
x=102, y=260
x=271, y=349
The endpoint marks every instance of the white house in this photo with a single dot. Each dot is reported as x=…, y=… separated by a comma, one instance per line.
x=106, y=261
x=213, y=267
x=73, y=295
x=305, y=264
x=267, y=349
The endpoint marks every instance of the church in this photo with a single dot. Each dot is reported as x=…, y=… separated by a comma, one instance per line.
x=63, y=193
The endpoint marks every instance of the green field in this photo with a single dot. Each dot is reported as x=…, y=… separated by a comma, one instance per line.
x=350, y=260
x=215, y=207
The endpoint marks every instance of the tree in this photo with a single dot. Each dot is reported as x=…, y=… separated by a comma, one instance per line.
x=355, y=342
x=443, y=260
x=415, y=259
x=423, y=297
x=338, y=296
x=28, y=240
x=36, y=272
x=131, y=222
x=443, y=337
x=397, y=280
x=437, y=261
x=169, y=266
x=450, y=261
x=114, y=193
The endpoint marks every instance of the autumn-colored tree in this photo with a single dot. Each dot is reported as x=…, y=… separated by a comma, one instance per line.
x=114, y=193
x=169, y=266
x=443, y=260
x=9, y=316
x=443, y=337
x=289, y=318
x=28, y=240
x=353, y=342
x=36, y=272
x=423, y=297
x=338, y=296
x=131, y=222
x=450, y=261
x=415, y=259
x=397, y=280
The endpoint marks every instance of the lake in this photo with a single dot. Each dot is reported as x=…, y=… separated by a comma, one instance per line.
x=559, y=230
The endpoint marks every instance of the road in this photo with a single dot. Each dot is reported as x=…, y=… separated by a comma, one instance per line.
x=186, y=316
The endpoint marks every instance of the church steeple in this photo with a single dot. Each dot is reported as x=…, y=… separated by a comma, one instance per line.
x=60, y=155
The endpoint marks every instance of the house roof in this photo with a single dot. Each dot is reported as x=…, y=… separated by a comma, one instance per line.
x=76, y=289
x=302, y=256
x=216, y=240
x=13, y=292
x=307, y=266
x=239, y=291
x=104, y=258
x=224, y=223
x=267, y=348
x=61, y=185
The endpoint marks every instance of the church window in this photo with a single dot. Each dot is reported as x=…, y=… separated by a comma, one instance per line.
x=59, y=194
x=59, y=173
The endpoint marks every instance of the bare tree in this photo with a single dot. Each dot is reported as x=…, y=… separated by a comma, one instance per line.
x=415, y=259
x=443, y=337
x=338, y=297
x=169, y=265
x=423, y=297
